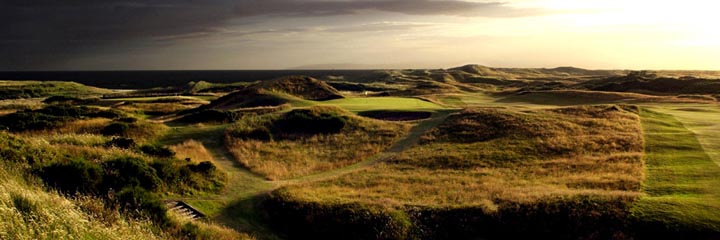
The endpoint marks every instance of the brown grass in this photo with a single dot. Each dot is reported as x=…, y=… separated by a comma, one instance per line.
x=530, y=156
x=193, y=150
x=293, y=157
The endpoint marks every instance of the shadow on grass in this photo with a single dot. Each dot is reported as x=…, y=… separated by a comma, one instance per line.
x=247, y=215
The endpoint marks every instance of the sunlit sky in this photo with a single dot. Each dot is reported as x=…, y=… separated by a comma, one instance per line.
x=286, y=34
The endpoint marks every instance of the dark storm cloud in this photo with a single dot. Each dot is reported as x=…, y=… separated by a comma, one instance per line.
x=41, y=33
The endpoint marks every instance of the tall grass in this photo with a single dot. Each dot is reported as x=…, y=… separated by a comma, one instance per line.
x=28, y=212
x=301, y=154
x=193, y=150
x=555, y=173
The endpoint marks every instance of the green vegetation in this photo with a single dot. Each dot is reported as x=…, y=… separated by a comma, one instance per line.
x=462, y=153
x=33, y=89
x=683, y=197
x=382, y=103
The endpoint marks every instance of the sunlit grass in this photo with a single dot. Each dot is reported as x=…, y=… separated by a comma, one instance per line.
x=682, y=185
x=359, y=104
x=588, y=151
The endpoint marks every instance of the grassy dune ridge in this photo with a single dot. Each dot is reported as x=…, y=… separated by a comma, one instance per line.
x=262, y=144
x=496, y=176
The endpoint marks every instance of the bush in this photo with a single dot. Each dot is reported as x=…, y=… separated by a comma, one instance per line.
x=211, y=116
x=135, y=198
x=61, y=99
x=206, y=167
x=73, y=176
x=169, y=174
x=304, y=121
x=115, y=129
x=157, y=150
x=50, y=117
x=130, y=172
x=314, y=220
x=127, y=120
x=121, y=142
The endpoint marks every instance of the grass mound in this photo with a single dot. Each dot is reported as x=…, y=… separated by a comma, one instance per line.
x=577, y=97
x=305, y=141
x=34, y=89
x=302, y=86
x=249, y=98
x=554, y=173
x=643, y=82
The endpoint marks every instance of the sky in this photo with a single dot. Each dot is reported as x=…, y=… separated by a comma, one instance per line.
x=345, y=34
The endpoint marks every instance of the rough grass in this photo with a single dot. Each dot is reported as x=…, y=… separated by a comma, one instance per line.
x=520, y=157
x=303, y=154
x=556, y=173
x=683, y=197
x=35, y=89
x=30, y=213
x=579, y=97
x=193, y=150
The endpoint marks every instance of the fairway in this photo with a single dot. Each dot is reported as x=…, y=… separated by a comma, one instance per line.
x=701, y=119
x=682, y=184
x=382, y=103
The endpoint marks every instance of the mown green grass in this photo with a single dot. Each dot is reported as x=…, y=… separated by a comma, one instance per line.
x=360, y=104
x=682, y=183
x=701, y=119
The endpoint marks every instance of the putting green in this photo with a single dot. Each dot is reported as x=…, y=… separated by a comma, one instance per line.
x=382, y=103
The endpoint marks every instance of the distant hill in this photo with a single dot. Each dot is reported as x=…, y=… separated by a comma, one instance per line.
x=650, y=83
x=301, y=86
x=535, y=73
x=276, y=92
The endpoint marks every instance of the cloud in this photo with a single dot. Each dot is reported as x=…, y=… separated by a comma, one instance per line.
x=37, y=33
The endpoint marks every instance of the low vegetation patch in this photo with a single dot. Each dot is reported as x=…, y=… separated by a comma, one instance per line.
x=489, y=173
x=52, y=116
x=396, y=115
x=305, y=141
x=34, y=89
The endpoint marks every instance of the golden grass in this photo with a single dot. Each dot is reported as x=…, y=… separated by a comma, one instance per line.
x=537, y=154
x=204, y=231
x=193, y=150
x=146, y=131
x=82, y=126
x=14, y=104
x=30, y=213
x=294, y=157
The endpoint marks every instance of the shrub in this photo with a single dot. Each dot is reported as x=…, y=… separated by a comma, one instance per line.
x=73, y=176
x=137, y=198
x=157, y=150
x=121, y=142
x=115, y=129
x=305, y=121
x=205, y=167
x=302, y=220
x=61, y=99
x=211, y=116
x=51, y=117
x=127, y=120
x=129, y=172
x=169, y=174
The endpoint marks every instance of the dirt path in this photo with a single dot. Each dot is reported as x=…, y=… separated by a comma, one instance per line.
x=243, y=184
